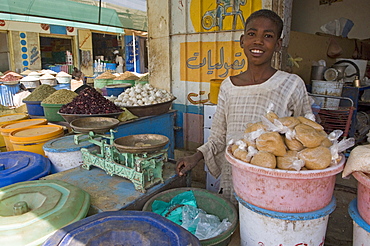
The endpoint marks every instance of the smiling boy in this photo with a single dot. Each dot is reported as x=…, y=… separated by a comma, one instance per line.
x=244, y=98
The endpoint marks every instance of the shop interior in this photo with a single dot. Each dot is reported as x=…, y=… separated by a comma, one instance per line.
x=104, y=45
x=56, y=52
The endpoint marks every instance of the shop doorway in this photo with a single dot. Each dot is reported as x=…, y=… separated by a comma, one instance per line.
x=104, y=45
x=4, y=52
x=56, y=54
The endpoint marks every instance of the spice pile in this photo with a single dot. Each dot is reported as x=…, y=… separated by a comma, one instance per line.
x=90, y=101
x=62, y=96
x=127, y=76
x=40, y=93
x=289, y=143
x=106, y=75
x=10, y=77
x=144, y=77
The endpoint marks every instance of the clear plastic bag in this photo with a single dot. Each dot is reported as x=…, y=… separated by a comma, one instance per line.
x=201, y=224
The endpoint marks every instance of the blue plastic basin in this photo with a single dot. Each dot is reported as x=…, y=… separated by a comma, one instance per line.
x=34, y=108
x=123, y=228
x=19, y=166
x=116, y=89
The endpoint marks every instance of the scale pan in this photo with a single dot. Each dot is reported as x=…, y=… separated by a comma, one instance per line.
x=95, y=124
x=141, y=143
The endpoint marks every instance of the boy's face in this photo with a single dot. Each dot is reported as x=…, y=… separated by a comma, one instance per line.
x=260, y=41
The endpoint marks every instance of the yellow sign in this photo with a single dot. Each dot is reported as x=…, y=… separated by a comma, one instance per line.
x=203, y=61
x=217, y=15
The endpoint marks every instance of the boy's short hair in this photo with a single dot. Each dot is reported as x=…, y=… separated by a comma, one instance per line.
x=269, y=14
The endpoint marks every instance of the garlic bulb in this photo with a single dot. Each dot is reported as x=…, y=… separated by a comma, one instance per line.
x=140, y=95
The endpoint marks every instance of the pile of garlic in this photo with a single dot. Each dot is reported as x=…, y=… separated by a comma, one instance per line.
x=141, y=95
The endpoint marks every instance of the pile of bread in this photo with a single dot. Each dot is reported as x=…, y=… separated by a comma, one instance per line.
x=289, y=143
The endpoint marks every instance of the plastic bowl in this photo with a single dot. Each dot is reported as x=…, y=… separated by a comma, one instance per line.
x=51, y=111
x=51, y=81
x=211, y=203
x=283, y=190
x=64, y=79
x=31, y=84
x=34, y=108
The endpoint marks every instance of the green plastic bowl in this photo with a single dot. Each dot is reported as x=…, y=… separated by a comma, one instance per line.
x=211, y=203
x=100, y=83
x=51, y=112
x=132, y=82
x=143, y=82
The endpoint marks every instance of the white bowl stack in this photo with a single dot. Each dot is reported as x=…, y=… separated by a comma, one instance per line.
x=30, y=82
x=63, y=78
x=48, y=79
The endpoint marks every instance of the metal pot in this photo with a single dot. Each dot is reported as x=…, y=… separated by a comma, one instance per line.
x=317, y=72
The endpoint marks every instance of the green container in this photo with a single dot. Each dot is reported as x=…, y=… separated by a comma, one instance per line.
x=132, y=82
x=209, y=202
x=100, y=83
x=143, y=82
x=52, y=204
x=51, y=112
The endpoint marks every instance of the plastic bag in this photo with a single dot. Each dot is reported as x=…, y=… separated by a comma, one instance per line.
x=338, y=27
x=18, y=98
x=173, y=210
x=339, y=147
x=297, y=165
x=201, y=224
x=358, y=160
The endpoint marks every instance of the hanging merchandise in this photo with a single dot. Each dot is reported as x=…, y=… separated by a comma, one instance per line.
x=86, y=58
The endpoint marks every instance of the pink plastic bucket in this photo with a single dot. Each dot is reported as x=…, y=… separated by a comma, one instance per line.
x=363, y=195
x=282, y=190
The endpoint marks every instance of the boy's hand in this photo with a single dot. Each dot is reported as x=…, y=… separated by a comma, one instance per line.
x=185, y=164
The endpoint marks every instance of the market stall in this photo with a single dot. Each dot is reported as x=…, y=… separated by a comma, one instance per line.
x=56, y=53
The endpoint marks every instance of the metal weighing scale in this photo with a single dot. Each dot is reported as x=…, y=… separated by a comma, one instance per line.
x=138, y=158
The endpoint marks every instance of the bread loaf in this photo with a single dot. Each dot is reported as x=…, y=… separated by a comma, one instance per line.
x=308, y=136
x=254, y=127
x=290, y=122
x=234, y=147
x=286, y=162
x=241, y=154
x=293, y=144
x=264, y=159
x=315, y=158
x=271, y=116
x=311, y=123
x=271, y=142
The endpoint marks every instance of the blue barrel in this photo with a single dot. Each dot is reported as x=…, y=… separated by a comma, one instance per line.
x=123, y=228
x=19, y=166
x=6, y=94
x=34, y=108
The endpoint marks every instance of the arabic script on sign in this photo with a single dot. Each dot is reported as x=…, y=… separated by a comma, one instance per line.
x=203, y=61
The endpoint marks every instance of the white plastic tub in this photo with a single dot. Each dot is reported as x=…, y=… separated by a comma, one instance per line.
x=64, y=79
x=30, y=82
x=361, y=230
x=64, y=154
x=48, y=81
x=260, y=226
